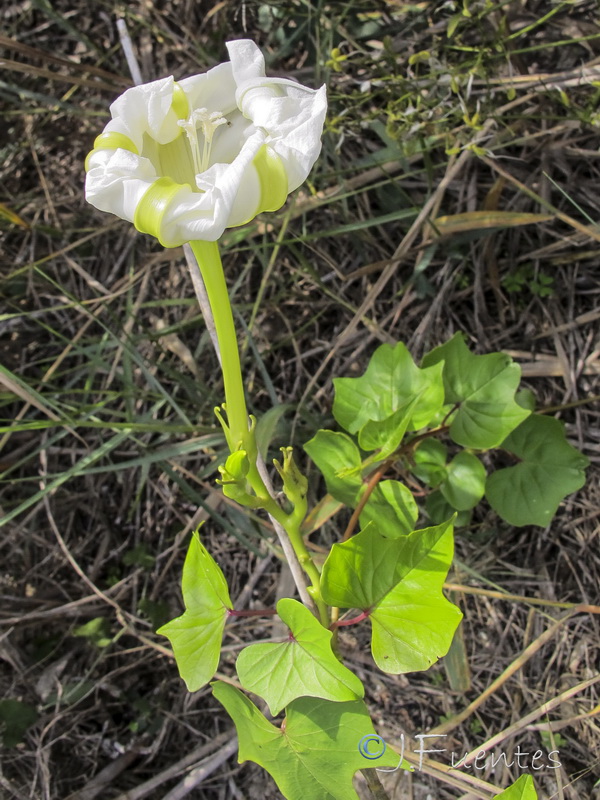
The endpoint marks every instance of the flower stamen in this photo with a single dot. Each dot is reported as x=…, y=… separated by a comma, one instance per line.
x=209, y=121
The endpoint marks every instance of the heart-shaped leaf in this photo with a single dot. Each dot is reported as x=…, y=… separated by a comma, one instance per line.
x=464, y=485
x=483, y=388
x=398, y=582
x=550, y=469
x=439, y=509
x=303, y=665
x=339, y=461
x=414, y=624
x=196, y=636
x=315, y=754
x=430, y=461
x=391, y=508
x=391, y=382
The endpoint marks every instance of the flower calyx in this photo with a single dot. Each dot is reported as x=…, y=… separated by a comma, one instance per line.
x=295, y=484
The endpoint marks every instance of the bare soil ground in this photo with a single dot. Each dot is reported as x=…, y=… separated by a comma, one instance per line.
x=109, y=443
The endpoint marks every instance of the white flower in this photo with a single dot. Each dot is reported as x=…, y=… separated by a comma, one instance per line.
x=185, y=160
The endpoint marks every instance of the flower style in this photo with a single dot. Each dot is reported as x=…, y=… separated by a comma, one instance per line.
x=185, y=160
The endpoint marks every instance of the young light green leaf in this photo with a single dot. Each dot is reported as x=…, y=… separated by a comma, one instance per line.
x=385, y=435
x=391, y=381
x=302, y=666
x=398, y=582
x=196, y=636
x=413, y=626
x=523, y=789
x=315, y=754
x=483, y=388
x=430, y=462
x=391, y=508
x=339, y=461
x=465, y=482
x=550, y=469
x=360, y=572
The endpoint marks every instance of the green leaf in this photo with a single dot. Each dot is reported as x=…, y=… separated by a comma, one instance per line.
x=550, y=469
x=267, y=427
x=391, y=382
x=196, y=636
x=483, y=388
x=339, y=461
x=526, y=399
x=15, y=718
x=139, y=557
x=439, y=509
x=96, y=630
x=430, y=462
x=465, y=482
x=385, y=435
x=315, y=754
x=391, y=508
x=398, y=582
x=523, y=789
x=303, y=665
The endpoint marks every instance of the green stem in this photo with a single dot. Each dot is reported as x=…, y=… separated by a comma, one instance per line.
x=211, y=268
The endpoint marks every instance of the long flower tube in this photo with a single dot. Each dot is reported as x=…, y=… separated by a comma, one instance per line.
x=240, y=437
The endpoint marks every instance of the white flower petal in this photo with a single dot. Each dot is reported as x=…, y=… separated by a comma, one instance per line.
x=247, y=62
x=205, y=215
x=214, y=90
x=143, y=166
x=117, y=180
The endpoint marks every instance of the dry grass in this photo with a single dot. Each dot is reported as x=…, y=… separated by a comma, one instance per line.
x=109, y=442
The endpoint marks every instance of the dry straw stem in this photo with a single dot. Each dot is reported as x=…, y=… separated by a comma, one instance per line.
x=459, y=780
x=520, y=598
x=512, y=668
x=559, y=724
x=40, y=72
x=202, y=771
x=105, y=777
x=579, y=226
x=198, y=757
x=50, y=58
x=545, y=708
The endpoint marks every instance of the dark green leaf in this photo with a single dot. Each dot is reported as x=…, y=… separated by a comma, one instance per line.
x=430, y=462
x=483, y=388
x=439, y=509
x=465, y=482
x=550, y=469
x=15, y=718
